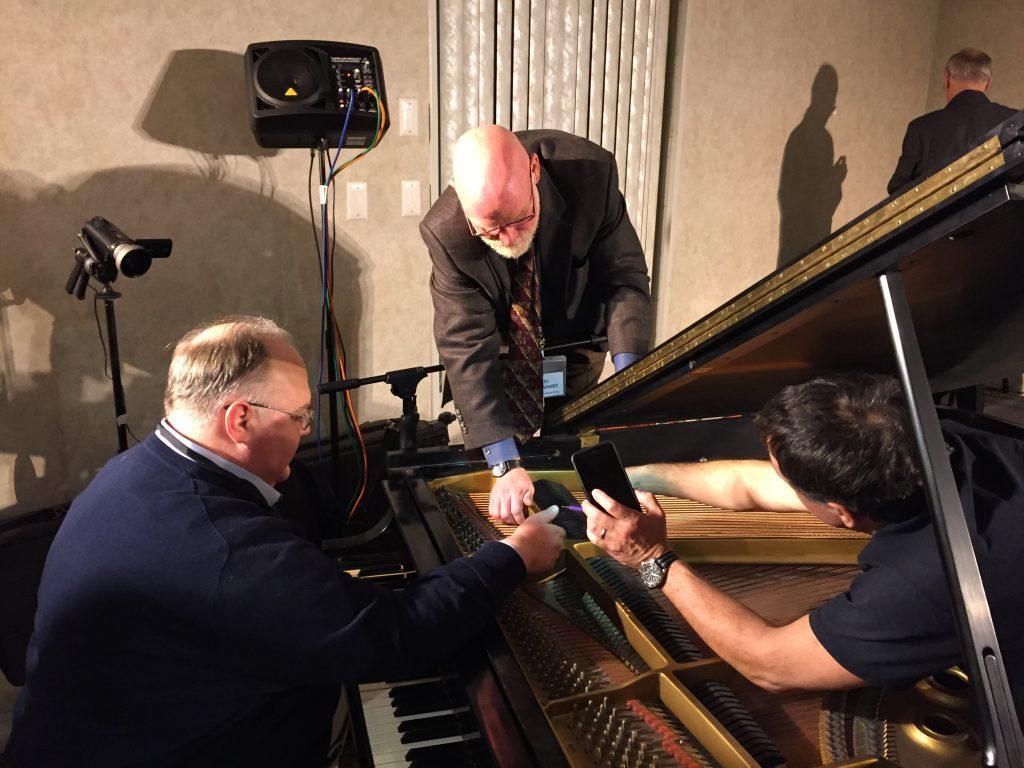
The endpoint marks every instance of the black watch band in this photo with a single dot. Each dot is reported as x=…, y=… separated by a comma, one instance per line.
x=502, y=468
x=667, y=559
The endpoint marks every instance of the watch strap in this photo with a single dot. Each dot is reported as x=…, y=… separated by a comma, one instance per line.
x=667, y=559
x=505, y=467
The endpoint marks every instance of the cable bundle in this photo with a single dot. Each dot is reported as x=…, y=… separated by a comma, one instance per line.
x=326, y=263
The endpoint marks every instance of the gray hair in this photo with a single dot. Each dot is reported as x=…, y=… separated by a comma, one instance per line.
x=970, y=65
x=218, y=360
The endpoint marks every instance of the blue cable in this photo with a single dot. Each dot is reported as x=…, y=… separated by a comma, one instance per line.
x=323, y=271
x=344, y=130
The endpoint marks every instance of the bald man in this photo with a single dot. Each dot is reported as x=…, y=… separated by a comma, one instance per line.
x=531, y=246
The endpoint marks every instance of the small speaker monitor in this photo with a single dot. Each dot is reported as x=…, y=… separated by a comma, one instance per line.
x=300, y=91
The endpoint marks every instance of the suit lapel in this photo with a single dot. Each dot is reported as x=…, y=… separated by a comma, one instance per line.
x=553, y=244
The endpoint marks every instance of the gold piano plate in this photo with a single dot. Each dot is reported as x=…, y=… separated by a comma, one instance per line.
x=962, y=173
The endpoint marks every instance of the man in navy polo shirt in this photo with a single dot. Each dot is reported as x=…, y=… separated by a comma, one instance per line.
x=183, y=622
x=841, y=449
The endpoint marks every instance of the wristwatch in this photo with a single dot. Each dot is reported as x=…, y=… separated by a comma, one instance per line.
x=653, y=572
x=503, y=467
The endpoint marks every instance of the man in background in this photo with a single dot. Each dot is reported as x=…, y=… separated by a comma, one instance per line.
x=531, y=246
x=935, y=140
x=182, y=621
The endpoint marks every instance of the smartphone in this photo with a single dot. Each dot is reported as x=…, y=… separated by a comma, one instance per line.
x=600, y=467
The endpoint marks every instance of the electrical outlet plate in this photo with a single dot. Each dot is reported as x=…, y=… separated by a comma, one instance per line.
x=356, y=200
x=408, y=117
x=410, y=197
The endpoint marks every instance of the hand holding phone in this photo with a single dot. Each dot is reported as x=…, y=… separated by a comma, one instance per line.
x=600, y=467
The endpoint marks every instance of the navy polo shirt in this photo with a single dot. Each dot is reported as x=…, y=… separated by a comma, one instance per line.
x=181, y=621
x=895, y=624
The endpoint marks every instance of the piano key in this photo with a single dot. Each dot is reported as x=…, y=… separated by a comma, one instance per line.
x=405, y=754
x=436, y=727
x=422, y=723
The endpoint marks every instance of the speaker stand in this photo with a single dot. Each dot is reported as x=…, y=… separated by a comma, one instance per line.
x=328, y=325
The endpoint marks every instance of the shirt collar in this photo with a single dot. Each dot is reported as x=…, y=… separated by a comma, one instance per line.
x=267, y=491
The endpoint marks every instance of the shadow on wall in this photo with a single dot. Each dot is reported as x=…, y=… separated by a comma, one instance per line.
x=235, y=250
x=811, y=180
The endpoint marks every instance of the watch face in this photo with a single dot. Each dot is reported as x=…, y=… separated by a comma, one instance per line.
x=651, y=574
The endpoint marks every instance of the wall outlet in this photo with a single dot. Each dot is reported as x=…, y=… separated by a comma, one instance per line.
x=356, y=200
x=408, y=117
x=411, y=197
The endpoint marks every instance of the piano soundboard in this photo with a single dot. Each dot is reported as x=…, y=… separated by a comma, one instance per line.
x=623, y=680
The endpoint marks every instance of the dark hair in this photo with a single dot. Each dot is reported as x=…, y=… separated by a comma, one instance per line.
x=845, y=439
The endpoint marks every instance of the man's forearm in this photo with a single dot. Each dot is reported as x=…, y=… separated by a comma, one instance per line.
x=733, y=631
x=739, y=485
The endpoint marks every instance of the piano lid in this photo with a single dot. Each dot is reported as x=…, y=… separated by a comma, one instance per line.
x=958, y=239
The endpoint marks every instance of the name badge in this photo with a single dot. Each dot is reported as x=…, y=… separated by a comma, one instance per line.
x=554, y=376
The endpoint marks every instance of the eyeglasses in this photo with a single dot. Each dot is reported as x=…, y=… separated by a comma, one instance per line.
x=492, y=233
x=304, y=419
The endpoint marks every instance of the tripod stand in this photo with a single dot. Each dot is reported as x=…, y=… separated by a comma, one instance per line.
x=87, y=266
x=107, y=296
x=107, y=251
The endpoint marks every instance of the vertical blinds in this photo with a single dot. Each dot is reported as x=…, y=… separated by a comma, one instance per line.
x=595, y=68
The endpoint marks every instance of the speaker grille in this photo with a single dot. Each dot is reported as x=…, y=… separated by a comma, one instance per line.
x=289, y=76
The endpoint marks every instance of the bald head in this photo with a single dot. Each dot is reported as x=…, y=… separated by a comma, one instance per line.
x=491, y=174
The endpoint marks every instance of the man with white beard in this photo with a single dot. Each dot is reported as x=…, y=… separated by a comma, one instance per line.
x=531, y=246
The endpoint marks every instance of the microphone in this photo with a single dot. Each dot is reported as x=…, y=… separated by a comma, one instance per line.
x=131, y=258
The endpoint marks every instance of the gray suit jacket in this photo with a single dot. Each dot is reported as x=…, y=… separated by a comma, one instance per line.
x=593, y=277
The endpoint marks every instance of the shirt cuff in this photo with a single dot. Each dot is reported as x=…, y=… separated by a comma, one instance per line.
x=624, y=360
x=503, y=450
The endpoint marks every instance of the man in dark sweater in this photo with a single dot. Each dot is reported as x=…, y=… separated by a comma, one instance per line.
x=935, y=140
x=183, y=622
x=842, y=449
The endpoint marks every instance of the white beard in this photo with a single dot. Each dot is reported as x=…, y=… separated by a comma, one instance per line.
x=514, y=251
x=520, y=246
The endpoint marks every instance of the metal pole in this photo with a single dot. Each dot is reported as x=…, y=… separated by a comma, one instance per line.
x=107, y=295
x=1002, y=744
x=328, y=340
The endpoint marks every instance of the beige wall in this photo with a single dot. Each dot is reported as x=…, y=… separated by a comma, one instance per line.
x=743, y=88
x=96, y=82
x=995, y=26
x=81, y=135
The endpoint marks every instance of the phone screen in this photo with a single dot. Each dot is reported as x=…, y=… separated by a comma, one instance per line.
x=600, y=467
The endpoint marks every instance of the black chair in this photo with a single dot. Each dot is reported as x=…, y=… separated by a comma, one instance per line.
x=24, y=542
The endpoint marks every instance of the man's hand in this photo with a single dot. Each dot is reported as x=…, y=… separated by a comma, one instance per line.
x=627, y=535
x=538, y=542
x=510, y=495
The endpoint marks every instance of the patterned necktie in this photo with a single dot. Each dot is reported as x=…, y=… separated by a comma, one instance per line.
x=523, y=369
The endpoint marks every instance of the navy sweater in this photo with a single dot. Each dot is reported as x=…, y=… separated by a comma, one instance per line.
x=182, y=622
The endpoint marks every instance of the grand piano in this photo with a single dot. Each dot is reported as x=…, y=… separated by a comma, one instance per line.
x=587, y=668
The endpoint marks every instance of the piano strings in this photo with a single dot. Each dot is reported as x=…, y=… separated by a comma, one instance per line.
x=691, y=519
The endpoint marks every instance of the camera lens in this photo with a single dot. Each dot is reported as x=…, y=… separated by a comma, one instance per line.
x=132, y=259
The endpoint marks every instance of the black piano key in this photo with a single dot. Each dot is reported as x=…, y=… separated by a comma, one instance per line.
x=441, y=754
x=435, y=688
x=423, y=700
x=425, y=707
x=429, y=728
